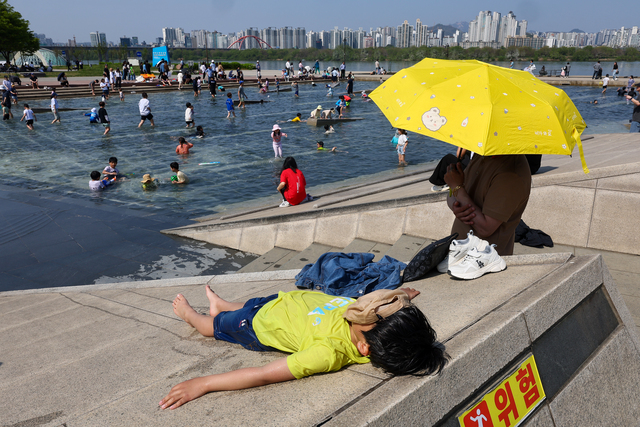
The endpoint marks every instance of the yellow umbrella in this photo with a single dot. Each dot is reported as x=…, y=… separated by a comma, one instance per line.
x=484, y=108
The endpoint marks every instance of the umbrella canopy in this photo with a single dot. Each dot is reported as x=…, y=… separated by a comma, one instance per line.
x=484, y=108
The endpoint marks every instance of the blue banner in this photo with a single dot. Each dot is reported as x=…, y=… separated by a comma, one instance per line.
x=159, y=53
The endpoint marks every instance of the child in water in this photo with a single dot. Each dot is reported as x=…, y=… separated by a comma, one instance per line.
x=29, y=116
x=111, y=171
x=188, y=116
x=230, y=109
x=179, y=177
x=276, y=135
x=93, y=115
x=149, y=183
x=200, y=132
x=96, y=184
x=329, y=129
x=320, y=147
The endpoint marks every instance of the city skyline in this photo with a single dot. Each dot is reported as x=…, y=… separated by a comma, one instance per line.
x=54, y=19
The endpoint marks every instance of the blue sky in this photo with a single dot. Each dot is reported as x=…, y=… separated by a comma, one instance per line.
x=62, y=19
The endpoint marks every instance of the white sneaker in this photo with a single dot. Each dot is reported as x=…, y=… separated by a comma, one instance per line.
x=284, y=204
x=458, y=250
x=439, y=188
x=478, y=262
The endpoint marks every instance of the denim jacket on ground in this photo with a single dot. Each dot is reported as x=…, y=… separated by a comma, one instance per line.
x=350, y=275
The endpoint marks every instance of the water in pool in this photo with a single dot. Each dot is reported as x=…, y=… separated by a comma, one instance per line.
x=59, y=158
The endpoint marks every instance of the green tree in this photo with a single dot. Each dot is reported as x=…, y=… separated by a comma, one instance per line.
x=14, y=33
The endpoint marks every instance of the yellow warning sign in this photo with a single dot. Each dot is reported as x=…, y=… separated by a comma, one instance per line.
x=508, y=404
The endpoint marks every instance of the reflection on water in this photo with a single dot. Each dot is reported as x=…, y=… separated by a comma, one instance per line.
x=60, y=157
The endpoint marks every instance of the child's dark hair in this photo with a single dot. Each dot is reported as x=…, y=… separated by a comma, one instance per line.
x=95, y=175
x=229, y=95
x=101, y=103
x=26, y=105
x=174, y=165
x=181, y=140
x=405, y=344
x=320, y=144
x=113, y=160
x=188, y=104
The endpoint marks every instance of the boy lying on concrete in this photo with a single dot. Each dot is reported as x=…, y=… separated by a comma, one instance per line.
x=323, y=332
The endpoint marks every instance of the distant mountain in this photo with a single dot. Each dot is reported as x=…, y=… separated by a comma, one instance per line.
x=447, y=30
x=463, y=26
x=576, y=30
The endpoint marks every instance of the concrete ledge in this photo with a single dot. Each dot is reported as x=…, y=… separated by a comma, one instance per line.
x=167, y=283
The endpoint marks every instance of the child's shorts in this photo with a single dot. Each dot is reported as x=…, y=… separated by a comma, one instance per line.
x=29, y=122
x=237, y=326
x=400, y=149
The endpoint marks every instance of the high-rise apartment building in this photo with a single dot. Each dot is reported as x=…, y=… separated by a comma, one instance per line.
x=169, y=36
x=522, y=28
x=358, y=38
x=325, y=38
x=312, y=39
x=173, y=37
x=199, y=38
x=270, y=36
x=250, y=42
x=299, y=38
x=335, y=38
x=285, y=37
x=404, y=35
x=421, y=34
x=98, y=39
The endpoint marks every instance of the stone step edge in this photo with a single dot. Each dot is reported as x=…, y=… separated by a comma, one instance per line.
x=513, y=260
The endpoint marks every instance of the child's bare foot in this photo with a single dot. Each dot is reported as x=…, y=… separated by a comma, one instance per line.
x=182, y=308
x=214, y=301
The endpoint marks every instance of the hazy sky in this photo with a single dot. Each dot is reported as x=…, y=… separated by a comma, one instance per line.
x=62, y=19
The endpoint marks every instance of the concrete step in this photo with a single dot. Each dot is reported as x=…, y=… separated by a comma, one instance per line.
x=282, y=262
x=406, y=247
x=424, y=245
x=271, y=258
x=308, y=255
x=361, y=245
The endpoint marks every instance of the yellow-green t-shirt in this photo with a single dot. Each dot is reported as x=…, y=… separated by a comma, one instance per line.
x=297, y=119
x=309, y=325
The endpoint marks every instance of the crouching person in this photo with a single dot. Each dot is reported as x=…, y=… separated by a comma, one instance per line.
x=328, y=333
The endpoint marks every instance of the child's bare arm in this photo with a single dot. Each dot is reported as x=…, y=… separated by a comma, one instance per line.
x=274, y=372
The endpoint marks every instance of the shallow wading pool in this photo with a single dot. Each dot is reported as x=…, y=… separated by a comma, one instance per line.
x=58, y=158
